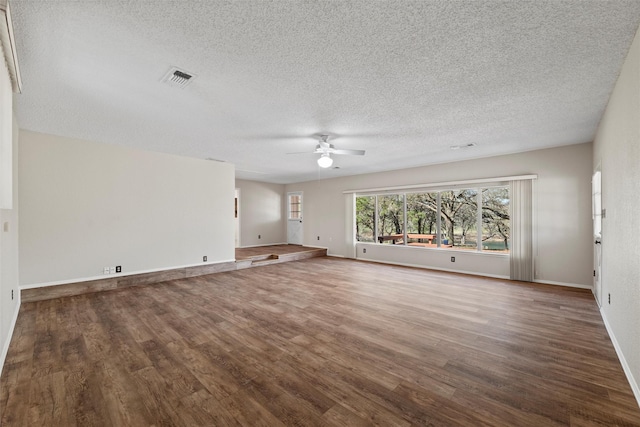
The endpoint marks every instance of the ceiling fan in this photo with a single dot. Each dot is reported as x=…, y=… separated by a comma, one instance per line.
x=326, y=150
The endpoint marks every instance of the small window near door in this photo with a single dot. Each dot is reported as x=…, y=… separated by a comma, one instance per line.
x=597, y=204
x=295, y=206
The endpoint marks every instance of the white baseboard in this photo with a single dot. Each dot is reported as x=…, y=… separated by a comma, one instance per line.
x=570, y=285
x=475, y=273
x=625, y=366
x=112, y=276
x=5, y=346
x=425, y=267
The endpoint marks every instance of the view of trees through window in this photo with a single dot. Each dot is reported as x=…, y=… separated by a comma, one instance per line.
x=459, y=212
x=390, y=214
x=496, y=227
x=365, y=218
x=471, y=218
x=422, y=210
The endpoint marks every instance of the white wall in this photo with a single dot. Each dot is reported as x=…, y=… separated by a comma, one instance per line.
x=563, y=213
x=261, y=213
x=617, y=151
x=484, y=264
x=9, y=260
x=85, y=205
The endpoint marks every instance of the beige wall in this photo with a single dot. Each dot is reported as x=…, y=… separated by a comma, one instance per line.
x=617, y=152
x=85, y=206
x=563, y=212
x=261, y=213
x=9, y=260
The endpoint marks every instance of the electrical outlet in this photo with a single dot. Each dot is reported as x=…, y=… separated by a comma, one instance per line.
x=105, y=270
x=364, y=250
x=112, y=270
x=259, y=237
x=318, y=237
x=11, y=294
x=609, y=298
x=118, y=269
x=453, y=259
x=204, y=258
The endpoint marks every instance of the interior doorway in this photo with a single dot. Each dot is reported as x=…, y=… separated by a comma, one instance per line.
x=596, y=192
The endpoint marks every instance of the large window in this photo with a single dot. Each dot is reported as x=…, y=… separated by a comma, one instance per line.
x=391, y=218
x=466, y=219
x=365, y=218
x=422, y=211
x=459, y=218
x=496, y=228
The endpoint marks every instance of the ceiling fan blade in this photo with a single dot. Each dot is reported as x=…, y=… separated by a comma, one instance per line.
x=302, y=152
x=350, y=152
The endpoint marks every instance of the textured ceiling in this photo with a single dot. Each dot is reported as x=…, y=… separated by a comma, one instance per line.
x=403, y=80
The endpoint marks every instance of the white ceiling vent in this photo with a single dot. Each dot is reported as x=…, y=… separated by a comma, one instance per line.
x=178, y=77
x=458, y=147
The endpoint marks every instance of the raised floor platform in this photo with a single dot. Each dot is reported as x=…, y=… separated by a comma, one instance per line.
x=245, y=258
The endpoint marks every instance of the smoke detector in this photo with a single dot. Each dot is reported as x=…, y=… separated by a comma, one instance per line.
x=178, y=77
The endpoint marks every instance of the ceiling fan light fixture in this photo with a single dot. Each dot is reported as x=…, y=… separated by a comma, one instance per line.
x=325, y=161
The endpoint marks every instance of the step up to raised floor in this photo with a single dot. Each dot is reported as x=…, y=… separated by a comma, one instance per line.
x=266, y=259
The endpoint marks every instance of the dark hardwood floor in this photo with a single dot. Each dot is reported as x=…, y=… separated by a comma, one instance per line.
x=317, y=342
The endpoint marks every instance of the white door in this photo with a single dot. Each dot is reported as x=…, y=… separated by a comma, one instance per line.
x=596, y=189
x=294, y=218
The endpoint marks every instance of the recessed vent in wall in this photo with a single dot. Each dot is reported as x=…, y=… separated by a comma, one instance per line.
x=178, y=77
x=458, y=147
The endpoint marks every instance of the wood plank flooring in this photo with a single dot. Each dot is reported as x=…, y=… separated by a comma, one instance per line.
x=321, y=341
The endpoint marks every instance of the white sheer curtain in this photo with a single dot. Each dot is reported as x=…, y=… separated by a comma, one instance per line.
x=349, y=226
x=521, y=206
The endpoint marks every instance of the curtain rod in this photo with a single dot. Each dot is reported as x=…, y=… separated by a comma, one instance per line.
x=443, y=184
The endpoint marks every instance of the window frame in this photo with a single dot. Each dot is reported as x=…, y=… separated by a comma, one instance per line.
x=290, y=196
x=406, y=191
